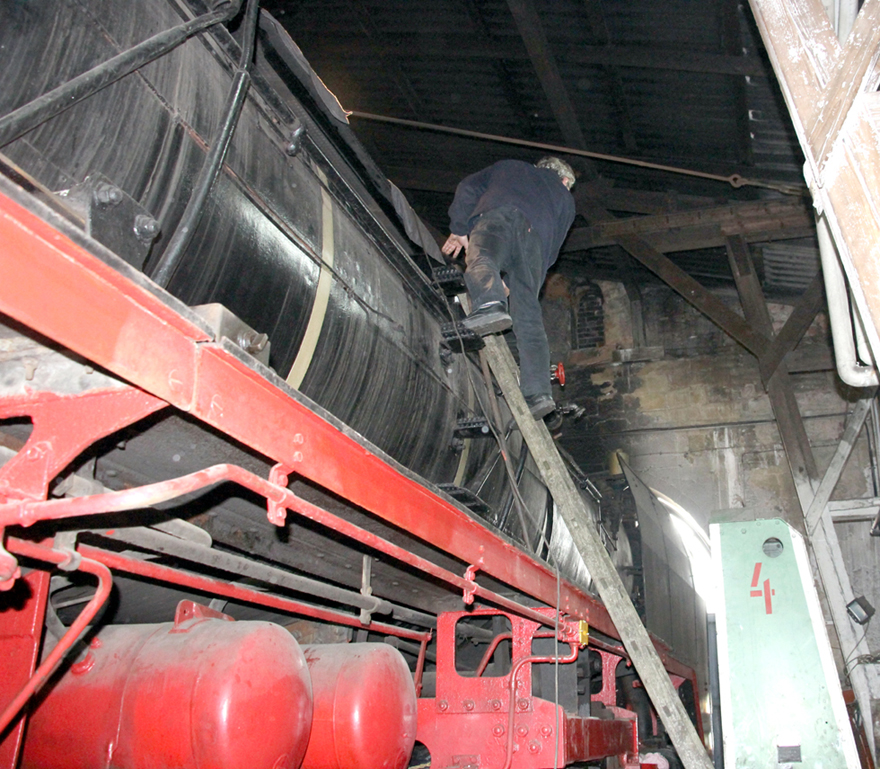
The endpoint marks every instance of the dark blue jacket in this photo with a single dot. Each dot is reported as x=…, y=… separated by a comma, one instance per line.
x=537, y=192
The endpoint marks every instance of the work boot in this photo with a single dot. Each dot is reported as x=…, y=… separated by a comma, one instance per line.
x=489, y=318
x=540, y=405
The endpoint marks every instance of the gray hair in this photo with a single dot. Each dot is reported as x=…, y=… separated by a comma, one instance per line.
x=559, y=166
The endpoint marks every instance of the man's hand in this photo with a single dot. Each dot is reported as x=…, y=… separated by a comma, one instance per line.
x=454, y=244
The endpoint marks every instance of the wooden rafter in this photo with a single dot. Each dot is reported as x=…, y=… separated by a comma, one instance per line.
x=500, y=67
x=778, y=385
x=390, y=63
x=732, y=40
x=532, y=32
x=794, y=329
x=702, y=228
x=677, y=279
x=468, y=45
x=599, y=29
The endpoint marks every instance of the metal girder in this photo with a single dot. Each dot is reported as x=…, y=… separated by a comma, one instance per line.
x=599, y=29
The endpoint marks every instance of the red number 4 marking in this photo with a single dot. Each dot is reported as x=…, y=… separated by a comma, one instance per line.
x=766, y=592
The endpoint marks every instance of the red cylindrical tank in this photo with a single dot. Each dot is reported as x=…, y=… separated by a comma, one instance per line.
x=203, y=693
x=365, y=707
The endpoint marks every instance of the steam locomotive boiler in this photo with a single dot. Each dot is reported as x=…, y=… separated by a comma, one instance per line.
x=254, y=502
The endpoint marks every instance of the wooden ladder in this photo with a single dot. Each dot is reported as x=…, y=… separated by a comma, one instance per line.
x=611, y=589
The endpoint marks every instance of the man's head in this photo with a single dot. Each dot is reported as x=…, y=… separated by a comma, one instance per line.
x=565, y=171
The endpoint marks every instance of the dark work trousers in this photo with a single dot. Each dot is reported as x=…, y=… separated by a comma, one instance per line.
x=502, y=242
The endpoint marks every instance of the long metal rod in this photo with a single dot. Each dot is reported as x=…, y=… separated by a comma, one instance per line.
x=38, y=111
x=28, y=512
x=734, y=180
x=234, y=592
x=42, y=673
x=216, y=155
x=235, y=564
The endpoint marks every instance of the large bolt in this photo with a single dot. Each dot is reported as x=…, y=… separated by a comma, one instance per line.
x=146, y=228
x=252, y=342
x=107, y=194
x=295, y=143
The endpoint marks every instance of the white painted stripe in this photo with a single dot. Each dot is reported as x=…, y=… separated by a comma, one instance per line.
x=322, y=296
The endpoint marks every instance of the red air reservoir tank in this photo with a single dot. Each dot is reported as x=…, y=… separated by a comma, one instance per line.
x=365, y=707
x=203, y=693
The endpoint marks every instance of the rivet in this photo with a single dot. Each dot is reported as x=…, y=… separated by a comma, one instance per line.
x=468, y=704
x=442, y=706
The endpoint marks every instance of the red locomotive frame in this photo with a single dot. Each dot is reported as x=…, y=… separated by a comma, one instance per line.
x=53, y=285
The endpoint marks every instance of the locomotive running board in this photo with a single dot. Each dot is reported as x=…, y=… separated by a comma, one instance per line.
x=611, y=590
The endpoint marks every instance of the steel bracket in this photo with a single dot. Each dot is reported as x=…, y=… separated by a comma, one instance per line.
x=471, y=587
x=277, y=512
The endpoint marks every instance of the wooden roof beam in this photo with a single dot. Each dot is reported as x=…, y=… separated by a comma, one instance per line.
x=468, y=45
x=532, y=32
x=689, y=228
x=499, y=64
x=615, y=83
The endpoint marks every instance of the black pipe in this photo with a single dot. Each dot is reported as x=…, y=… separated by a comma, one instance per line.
x=518, y=474
x=34, y=113
x=170, y=260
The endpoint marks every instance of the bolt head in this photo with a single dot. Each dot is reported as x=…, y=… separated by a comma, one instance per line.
x=534, y=747
x=522, y=730
x=107, y=195
x=146, y=228
x=498, y=730
x=443, y=706
x=522, y=703
x=468, y=704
